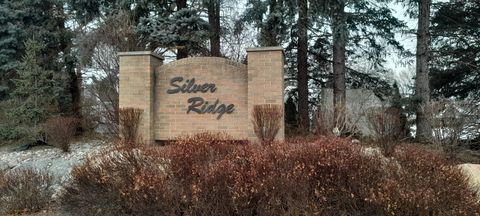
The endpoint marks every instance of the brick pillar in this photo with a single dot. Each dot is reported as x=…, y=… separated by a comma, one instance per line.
x=137, y=87
x=265, y=82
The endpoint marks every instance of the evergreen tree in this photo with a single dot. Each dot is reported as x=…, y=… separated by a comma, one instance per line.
x=272, y=18
x=11, y=34
x=37, y=90
x=455, y=70
x=421, y=9
x=182, y=52
x=46, y=19
x=184, y=28
x=358, y=28
x=290, y=113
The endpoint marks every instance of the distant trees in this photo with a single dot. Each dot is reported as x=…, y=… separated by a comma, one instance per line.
x=315, y=56
x=335, y=44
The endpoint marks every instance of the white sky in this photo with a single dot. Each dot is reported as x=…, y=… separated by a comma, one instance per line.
x=402, y=70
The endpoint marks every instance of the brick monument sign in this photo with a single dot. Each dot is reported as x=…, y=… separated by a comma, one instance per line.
x=200, y=94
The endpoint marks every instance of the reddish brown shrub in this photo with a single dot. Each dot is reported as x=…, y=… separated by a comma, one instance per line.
x=220, y=177
x=129, y=122
x=423, y=182
x=189, y=155
x=122, y=182
x=208, y=174
x=60, y=131
x=266, y=121
x=24, y=190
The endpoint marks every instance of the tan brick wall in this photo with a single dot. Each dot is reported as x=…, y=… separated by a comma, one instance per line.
x=230, y=79
x=265, y=82
x=144, y=82
x=137, y=87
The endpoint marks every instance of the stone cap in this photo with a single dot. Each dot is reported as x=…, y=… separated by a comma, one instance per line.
x=265, y=49
x=140, y=53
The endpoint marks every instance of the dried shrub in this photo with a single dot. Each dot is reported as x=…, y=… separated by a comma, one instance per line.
x=424, y=182
x=190, y=154
x=452, y=121
x=209, y=174
x=266, y=121
x=326, y=124
x=122, y=182
x=60, y=131
x=129, y=124
x=387, y=127
x=129, y=144
x=25, y=190
x=285, y=179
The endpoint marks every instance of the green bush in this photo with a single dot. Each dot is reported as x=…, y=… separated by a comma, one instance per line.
x=9, y=132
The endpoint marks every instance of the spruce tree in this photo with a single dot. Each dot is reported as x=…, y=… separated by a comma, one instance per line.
x=37, y=90
x=45, y=19
x=184, y=28
x=11, y=34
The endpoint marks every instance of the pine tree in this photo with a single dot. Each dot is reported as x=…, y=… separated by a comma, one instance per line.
x=272, y=18
x=182, y=52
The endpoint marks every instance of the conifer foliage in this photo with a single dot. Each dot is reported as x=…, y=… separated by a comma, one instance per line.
x=37, y=90
x=185, y=28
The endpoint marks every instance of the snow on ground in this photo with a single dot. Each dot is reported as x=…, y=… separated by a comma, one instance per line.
x=51, y=159
x=472, y=171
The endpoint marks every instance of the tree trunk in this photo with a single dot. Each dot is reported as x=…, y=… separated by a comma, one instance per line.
x=422, y=88
x=302, y=76
x=269, y=33
x=339, y=30
x=75, y=85
x=76, y=93
x=214, y=21
x=182, y=52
